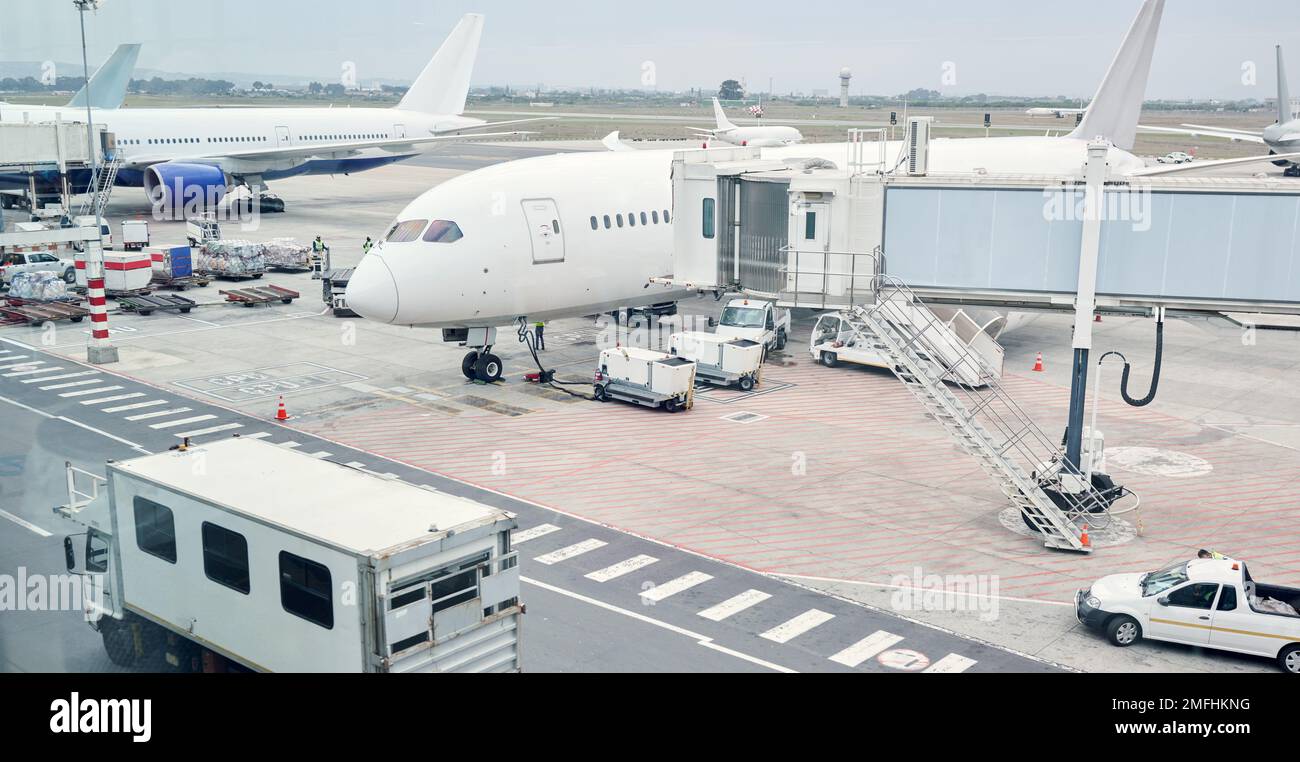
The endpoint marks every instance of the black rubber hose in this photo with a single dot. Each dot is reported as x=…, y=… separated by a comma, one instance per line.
x=1155, y=370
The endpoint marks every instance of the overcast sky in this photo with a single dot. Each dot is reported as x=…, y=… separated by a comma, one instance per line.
x=1015, y=47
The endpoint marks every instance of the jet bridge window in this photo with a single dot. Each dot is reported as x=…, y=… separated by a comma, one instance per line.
x=404, y=232
x=710, y=224
x=155, y=529
x=225, y=557
x=443, y=231
x=306, y=590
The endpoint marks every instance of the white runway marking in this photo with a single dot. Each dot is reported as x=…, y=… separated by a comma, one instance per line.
x=182, y=422
x=118, y=398
x=735, y=605
x=788, y=631
x=532, y=533
x=951, y=663
x=573, y=551
x=674, y=586
x=136, y=406
x=26, y=524
x=159, y=414
x=213, y=430
x=88, y=392
x=875, y=643
x=64, y=377
x=621, y=568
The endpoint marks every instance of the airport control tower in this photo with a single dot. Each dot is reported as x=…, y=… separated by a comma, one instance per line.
x=845, y=77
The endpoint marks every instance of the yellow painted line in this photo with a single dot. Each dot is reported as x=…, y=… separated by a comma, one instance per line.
x=1225, y=629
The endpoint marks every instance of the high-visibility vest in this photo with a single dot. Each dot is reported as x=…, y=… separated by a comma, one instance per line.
x=366, y=247
x=317, y=245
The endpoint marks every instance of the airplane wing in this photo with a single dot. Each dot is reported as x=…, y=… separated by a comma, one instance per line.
x=1209, y=132
x=485, y=125
x=1199, y=165
x=614, y=143
x=328, y=150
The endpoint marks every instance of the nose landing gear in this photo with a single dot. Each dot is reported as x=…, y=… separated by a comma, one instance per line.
x=482, y=365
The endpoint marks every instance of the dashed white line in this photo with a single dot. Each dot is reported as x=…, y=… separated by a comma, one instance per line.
x=182, y=422
x=950, y=664
x=26, y=524
x=875, y=643
x=573, y=551
x=675, y=586
x=65, y=376
x=88, y=392
x=734, y=605
x=136, y=406
x=622, y=567
x=788, y=631
x=159, y=414
x=69, y=385
x=212, y=430
x=532, y=533
x=117, y=398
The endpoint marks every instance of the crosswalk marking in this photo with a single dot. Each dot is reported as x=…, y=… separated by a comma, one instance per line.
x=675, y=586
x=621, y=568
x=788, y=631
x=735, y=605
x=33, y=372
x=182, y=422
x=159, y=414
x=564, y=554
x=69, y=385
x=321, y=455
x=532, y=533
x=875, y=643
x=88, y=392
x=355, y=464
x=950, y=664
x=118, y=398
x=136, y=406
x=64, y=377
x=291, y=445
x=12, y=364
x=212, y=430
x=258, y=435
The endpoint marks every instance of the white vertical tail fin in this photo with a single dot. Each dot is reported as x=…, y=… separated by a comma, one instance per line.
x=723, y=123
x=1115, y=110
x=108, y=84
x=443, y=86
x=1283, y=91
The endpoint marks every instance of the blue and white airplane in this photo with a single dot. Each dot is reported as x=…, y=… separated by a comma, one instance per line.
x=184, y=157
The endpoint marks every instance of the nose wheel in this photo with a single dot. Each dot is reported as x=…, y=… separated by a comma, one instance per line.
x=482, y=366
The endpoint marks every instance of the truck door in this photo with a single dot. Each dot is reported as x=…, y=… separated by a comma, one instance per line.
x=547, y=237
x=282, y=137
x=1237, y=628
x=1184, y=615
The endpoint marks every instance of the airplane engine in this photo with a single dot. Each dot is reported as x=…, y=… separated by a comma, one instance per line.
x=179, y=190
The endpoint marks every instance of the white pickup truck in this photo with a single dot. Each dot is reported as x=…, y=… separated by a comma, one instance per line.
x=758, y=321
x=1212, y=603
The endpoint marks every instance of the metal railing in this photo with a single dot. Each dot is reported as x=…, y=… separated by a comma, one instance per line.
x=818, y=267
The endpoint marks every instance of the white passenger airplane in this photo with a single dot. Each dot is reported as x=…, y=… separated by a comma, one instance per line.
x=579, y=234
x=754, y=137
x=189, y=157
x=1059, y=113
x=1280, y=138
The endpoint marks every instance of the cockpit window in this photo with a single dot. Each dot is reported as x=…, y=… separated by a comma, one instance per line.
x=404, y=232
x=443, y=231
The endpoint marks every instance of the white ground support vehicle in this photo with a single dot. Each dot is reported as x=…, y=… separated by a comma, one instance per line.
x=834, y=342
x=719, y=360
x=14, y=262
x=201, y=229
x=645, y=377
x=249, y=556
x=1206, y=602
x=763, y=322
x=1177, y=157
x=135, y=234
x=105, y=231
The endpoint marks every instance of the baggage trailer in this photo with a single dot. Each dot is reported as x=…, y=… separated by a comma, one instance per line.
x=251, y=297
x=719, y=360
x=243, y=555
x=644, y=377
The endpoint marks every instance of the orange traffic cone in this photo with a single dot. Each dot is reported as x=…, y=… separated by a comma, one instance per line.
x=1038, y=364
x=1084, y=538
x=281, y=414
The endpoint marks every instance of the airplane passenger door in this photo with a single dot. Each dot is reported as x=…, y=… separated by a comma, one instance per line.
x=281, y=137
x=399, y=130
x=543, y=220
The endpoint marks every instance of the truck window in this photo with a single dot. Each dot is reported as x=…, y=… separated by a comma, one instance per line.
x=1199, y=596
x=306, y=590
x=225, y=557
x=1228, y=600
x=96, y=553
x=155, y=529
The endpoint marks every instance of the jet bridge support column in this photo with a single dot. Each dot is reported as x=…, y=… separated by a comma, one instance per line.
x=1085, y=304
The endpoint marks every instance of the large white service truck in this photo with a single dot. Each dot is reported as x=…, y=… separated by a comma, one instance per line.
x=243, y=555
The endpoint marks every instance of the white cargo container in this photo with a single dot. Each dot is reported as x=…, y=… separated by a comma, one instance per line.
x=274, y=560
x=720, y=360
x=135, y=234
x=125, y=272
x=645, y=377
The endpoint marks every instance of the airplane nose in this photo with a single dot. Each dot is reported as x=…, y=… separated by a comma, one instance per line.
x=372, y=290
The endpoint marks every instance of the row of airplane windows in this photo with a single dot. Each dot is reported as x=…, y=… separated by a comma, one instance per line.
x=172, y=141
x=647, y=219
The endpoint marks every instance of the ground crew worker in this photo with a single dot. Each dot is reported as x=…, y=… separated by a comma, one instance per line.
x=539, y=330
x=318, y=249
x=1211, y=554
x=367, y=246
